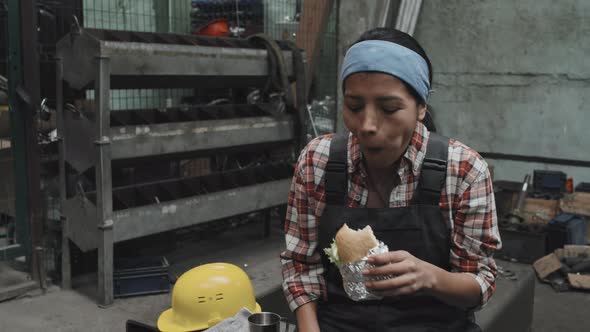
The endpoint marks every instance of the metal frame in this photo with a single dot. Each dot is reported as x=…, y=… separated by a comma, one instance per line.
x=104, y=186
x=66, y=277
x=147, y=220
x=215, y=65
x=407, y=16
x=117, y=63
x=135, y=141
x=15, y=71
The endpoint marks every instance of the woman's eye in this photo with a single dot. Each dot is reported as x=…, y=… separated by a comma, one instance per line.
x=390, y=110
x=355, y=108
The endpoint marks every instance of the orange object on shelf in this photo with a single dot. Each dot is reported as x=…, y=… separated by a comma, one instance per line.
x=569, y=185
x=215, y=28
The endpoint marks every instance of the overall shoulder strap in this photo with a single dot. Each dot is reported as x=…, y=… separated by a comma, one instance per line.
x=336, y=173
x=434, y=171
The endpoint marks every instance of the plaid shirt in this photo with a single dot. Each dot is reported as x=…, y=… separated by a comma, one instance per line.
x=467, y=203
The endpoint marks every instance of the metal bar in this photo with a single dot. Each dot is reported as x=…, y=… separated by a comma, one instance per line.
x=103, y=182
x=165, y=216
x=11, y=252
x=141, y=141
x=185, y=62
x=66, y=269
x=407, y=16
x=414, y=17
x=385, y=18
x=17, y=133
x=401, y=13
x=31, y=83
x=157, y=218
x=173, y=38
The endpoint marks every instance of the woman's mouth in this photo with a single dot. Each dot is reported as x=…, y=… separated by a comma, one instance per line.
x=374, y=149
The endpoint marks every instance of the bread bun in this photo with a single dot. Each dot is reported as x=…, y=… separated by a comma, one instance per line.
x=354, y=245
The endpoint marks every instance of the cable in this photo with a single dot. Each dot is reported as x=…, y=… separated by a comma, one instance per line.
x=277, y=67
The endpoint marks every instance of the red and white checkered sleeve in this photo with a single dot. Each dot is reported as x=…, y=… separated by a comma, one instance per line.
x=475, y=234
x=302, y=268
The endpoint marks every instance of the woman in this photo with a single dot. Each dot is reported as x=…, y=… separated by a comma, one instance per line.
x=428, y=198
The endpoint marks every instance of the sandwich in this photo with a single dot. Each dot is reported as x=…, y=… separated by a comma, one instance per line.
x=348, y=252
x=350, y=246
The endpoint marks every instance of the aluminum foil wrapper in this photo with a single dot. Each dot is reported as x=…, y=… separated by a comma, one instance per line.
x=353, y=279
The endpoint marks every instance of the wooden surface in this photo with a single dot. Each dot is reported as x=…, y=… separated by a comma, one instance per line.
x=310, y=32
x=539, y=211
x=578, y=203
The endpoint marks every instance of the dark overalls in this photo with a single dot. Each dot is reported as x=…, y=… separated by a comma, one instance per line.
x=418, y=228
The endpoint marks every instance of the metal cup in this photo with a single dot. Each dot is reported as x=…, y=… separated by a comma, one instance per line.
x=265, y=322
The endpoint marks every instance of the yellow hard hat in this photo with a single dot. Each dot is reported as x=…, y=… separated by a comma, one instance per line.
x=206, y=295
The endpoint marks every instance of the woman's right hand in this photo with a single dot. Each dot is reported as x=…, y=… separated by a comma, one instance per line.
x=307, y=319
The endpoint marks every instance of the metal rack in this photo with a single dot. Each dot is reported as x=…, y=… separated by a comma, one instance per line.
x=94, y=139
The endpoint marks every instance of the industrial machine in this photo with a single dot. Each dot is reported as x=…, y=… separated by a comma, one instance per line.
x=119, y=169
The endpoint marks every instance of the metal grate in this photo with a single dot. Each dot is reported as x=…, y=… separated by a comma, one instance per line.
x=142, y=16
x=322, y=98
x=138, y=15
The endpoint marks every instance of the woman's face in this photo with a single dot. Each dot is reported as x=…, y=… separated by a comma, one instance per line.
x=380, y=111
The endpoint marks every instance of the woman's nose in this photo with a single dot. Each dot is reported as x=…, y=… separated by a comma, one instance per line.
x=369, y=123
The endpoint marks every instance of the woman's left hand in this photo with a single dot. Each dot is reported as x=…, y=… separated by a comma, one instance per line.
x=411, y=274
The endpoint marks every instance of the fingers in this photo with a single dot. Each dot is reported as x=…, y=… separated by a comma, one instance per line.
x=393, y=262
x=389, y=257
x=404, y=284
x=406, y=268
x=403, y=267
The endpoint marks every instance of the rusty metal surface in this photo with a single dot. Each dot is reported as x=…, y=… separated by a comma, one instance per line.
x=141, y=210
x=142, y=133
x=141, y=141
x=81, y=215
x=163, y=55
x=79, y=134
x=194, y=210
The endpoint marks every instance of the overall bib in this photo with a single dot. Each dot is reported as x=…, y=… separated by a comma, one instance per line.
x=418, y=228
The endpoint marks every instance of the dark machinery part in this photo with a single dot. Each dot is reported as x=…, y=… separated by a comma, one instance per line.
x=583, y=266
x=571, y=261
x=515, y=217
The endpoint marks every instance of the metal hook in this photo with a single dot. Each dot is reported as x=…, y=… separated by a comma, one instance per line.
x=76, y=28
x=80, y=190
x=44, y=110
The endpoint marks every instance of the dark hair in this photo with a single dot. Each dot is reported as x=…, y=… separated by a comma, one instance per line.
x=403, y=39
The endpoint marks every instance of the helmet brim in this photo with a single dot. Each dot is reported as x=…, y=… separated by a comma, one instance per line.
x=166, y=322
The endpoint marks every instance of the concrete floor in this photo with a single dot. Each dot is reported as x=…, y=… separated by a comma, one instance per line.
x=560, y=312
x=75, y=310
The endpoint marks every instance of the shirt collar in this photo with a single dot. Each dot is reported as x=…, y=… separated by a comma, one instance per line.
x=414, y=155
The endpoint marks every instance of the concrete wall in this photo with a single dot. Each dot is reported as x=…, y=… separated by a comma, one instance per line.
x=512, y=77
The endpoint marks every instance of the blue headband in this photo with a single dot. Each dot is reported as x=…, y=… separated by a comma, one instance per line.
x=389, y=58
